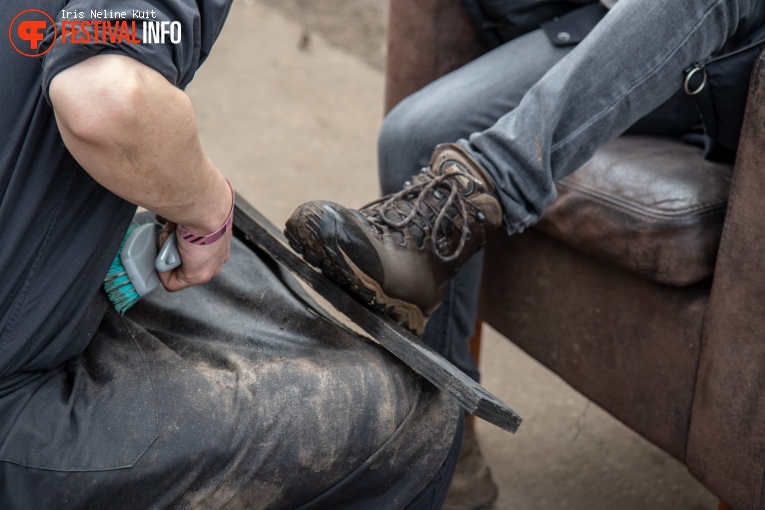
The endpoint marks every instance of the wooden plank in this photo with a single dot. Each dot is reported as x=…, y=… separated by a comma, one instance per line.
x=254, y=229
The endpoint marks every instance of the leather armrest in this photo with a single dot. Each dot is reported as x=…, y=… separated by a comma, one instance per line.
x=726, y=448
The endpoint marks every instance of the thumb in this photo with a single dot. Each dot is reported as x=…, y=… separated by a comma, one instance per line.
x=167, y=231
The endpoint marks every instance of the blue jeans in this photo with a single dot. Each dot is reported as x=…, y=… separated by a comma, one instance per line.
x=531, y=113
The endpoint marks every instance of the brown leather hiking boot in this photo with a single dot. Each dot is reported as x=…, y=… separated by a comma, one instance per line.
x=400, y=252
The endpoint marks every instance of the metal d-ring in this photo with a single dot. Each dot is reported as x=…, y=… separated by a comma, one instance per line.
x=688, y=77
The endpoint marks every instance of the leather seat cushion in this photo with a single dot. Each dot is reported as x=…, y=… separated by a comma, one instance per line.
x=651, y=205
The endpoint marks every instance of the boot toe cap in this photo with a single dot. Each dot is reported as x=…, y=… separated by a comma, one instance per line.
x=332, y=228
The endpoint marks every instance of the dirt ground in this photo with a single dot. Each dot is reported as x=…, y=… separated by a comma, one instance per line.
x=357, y=27
x=288, y=105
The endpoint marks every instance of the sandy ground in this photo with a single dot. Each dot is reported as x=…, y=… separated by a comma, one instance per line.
x=288, y=105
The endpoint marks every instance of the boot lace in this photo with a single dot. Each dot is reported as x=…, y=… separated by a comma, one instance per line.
x=433, y=218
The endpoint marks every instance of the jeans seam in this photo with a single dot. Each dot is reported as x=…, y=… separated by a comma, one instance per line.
x=650, y=74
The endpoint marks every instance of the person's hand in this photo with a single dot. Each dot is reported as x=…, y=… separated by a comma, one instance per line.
x=148, y=155
x=198, y=263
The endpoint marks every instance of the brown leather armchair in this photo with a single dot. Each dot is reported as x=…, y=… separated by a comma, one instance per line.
x=644, y=285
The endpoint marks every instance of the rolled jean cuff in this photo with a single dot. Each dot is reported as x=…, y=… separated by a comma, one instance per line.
x=516, y=216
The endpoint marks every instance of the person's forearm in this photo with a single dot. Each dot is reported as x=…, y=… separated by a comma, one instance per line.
x=135, y=133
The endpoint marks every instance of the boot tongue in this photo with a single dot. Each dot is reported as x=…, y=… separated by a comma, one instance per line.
x=398, y=212
x=463, y=180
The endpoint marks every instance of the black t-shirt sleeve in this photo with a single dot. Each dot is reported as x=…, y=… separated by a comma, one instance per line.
x=201, y=22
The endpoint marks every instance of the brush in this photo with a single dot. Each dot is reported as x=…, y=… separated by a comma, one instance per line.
x=133, y=273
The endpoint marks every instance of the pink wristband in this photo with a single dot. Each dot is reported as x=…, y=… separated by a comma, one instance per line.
x=212, y=236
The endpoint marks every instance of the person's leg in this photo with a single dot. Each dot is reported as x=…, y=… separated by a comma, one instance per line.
x=400, y=253
x=627, y=66
x=468, y=100
x=233, y=394
x=465, y=101
x=433, y=495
